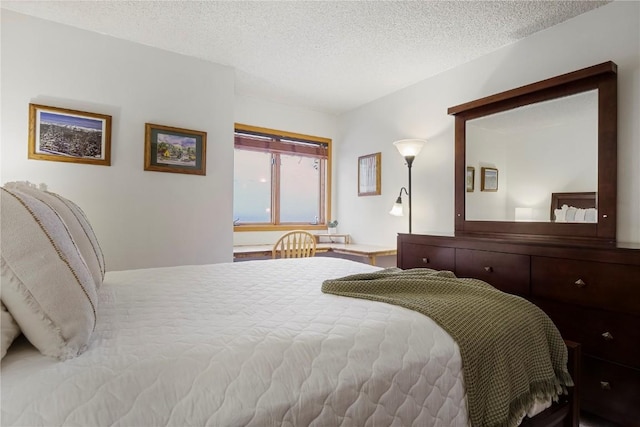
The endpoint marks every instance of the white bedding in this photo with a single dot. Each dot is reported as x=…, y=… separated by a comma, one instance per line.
x=250, y=343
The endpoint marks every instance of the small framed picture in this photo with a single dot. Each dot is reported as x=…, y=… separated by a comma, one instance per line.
x=171, y=149
x=64, y=135
x=369, y=174
x=471, y=178
x=489, y=179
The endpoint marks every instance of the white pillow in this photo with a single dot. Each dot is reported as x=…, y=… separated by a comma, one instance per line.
x=561, y=213
x=10, y=330
x=591, y=215
x=579, y=215
x=46, y=284
x=75, y=220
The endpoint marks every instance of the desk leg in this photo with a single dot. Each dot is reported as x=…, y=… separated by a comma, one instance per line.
x=372, y=259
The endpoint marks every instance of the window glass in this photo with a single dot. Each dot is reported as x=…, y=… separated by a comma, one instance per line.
x=299, y=189
x=252, y=187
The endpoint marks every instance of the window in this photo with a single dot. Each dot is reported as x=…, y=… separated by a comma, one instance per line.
x=282, y=180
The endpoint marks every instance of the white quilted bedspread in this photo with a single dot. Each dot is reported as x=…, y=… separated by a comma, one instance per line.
x=251, y=343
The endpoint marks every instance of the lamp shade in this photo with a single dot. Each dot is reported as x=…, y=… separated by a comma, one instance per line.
x=396, y=210
x=524, y=214
x=409, y=147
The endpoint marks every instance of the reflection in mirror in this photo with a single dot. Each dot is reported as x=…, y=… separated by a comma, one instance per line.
x=539, y=149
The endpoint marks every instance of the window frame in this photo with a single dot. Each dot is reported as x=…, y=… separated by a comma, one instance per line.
x=275, y=138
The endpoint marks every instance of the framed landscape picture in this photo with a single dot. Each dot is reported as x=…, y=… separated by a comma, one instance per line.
x=171, y=149
x=369, y=174
x=64, y=135
x=489, y=179
x=471, y=177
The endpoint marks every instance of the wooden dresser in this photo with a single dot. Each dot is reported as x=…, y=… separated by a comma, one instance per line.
x=592, y=293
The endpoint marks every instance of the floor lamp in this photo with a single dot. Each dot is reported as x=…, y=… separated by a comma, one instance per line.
x=409, y=149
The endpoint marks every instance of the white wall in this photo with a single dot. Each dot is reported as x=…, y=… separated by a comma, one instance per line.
x=261, y=113
x=611, y=32
x=489, y=150
x=142, y=219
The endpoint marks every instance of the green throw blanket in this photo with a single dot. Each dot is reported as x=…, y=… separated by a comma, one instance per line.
x=512, y=353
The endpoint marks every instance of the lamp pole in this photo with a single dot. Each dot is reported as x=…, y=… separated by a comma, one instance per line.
x=409, y=160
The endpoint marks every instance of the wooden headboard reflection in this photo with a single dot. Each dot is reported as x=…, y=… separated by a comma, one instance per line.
x=582, y=200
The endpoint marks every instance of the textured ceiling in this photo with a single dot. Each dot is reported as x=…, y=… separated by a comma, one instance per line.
x=330, y=56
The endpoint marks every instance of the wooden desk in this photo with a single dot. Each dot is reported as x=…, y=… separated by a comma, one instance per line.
x=368, y=251
x=332, y=238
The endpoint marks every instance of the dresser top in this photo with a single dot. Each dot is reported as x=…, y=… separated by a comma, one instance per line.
x=618, y=252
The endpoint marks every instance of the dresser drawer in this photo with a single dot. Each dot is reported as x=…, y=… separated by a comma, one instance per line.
x=507, y=272
x=604, y=334
x=611, y=391
x=425, y=256
x=591, y=284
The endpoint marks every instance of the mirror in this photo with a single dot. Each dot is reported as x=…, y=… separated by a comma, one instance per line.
x=537, y=150
x=523, y=158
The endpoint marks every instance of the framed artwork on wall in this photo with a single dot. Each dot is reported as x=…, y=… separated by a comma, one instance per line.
x=64, y=135
x=489, y=179
x=369, y=174
x=177, y=150
x=471, y=178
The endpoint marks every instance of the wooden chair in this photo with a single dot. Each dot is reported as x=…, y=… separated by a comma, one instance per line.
x=295, y=244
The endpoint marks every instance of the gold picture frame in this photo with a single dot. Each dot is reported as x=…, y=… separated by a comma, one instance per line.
x=369, y=174
x=489, y=179
x=176, y=150
x=64, y=135
x=471, y=178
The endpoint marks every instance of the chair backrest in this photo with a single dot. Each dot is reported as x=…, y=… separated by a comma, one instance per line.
x=295, y=244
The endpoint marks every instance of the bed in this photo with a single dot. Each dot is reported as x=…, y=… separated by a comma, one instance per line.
x=241, y=344
x=255, y=343
x=574, y=207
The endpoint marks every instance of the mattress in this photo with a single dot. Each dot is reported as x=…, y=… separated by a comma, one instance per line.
x=251, y=343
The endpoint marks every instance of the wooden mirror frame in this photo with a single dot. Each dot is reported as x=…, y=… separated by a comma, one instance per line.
x=601, y=77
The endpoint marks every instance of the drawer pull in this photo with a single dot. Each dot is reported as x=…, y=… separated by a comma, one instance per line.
x=425, y=260
x=580, y=283
x=488, y=269
x=605, y=385
x=607, y=336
